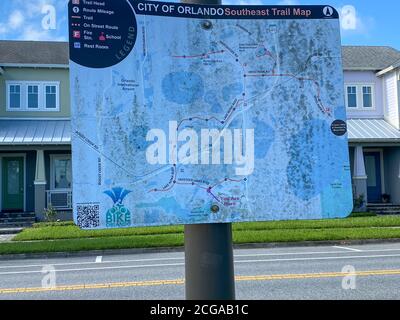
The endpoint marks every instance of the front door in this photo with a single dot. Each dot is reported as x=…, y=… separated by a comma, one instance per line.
x=374, y=180
x=13, y=184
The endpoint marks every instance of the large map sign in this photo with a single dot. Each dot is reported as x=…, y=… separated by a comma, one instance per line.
x=185, y=114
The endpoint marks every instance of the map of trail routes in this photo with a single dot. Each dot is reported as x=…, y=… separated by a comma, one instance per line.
x=186, y=114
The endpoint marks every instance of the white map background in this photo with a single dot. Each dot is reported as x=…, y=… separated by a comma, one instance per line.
x=284, y=79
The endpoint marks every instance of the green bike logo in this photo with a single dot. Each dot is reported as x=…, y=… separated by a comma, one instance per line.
x=118, y=215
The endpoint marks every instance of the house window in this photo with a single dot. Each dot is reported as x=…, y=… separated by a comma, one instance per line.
x=352, y=97
x=32, y=96
x=51, y=96
x=360, y=96
x=367, y=96
x=15, y=96
x=61, y=172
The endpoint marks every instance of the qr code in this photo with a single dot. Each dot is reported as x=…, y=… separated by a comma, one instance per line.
x=88, y=216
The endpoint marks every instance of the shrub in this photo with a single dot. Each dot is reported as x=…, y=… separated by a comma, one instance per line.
x=50, y=213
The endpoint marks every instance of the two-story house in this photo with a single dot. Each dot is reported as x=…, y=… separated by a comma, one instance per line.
x=372, y=97
x=35, y=134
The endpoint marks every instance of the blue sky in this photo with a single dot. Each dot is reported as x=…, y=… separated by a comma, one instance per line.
x=377, y=22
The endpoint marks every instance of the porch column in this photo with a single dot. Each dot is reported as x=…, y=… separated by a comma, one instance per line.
x=40, y=185
x=360, y=180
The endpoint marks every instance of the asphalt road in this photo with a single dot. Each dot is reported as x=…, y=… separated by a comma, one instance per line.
x=279, y=273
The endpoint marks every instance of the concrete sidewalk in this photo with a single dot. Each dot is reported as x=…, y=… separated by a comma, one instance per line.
x=6, y=237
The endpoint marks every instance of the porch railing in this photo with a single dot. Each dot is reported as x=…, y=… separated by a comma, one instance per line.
x=59, y=199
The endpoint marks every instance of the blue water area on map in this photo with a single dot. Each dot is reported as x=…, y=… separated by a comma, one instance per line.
x=236, y=217
x=261, y=52
x=169, y=204
x=231, y=91
x=212, y=99
x=264, y=135
x=236, y=123
x=152, y=216
x=183, y=87
x=309, y=158
x=149, y=96
x=116, y=77
x=152, y=184
x=118, y=109
x=137, y=137
x=260, y=84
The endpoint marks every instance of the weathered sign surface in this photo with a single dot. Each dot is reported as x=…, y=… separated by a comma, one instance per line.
x=198, y=114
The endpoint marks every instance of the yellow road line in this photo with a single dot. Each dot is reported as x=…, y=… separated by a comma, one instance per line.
x=94, y=286
x=317, y=275
x=181, y=281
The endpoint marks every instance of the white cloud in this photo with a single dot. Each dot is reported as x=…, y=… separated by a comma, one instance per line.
x=358, y=24
x=25, y=18
x=3, y=28
x=33, y=33
x=34, y=8
x=16, y=19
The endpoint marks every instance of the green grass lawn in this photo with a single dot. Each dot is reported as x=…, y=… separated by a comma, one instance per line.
x=56, y=231
x=58, y=237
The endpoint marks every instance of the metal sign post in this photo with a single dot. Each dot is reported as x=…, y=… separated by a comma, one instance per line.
x=209, y=268
x=209, y=262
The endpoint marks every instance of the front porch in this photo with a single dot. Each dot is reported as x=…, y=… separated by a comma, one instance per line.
x=375, y=163
x=376, y=174
x=35, y=168
x=32, y=180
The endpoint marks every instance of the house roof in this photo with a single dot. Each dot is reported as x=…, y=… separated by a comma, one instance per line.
x=369, y=58
x=33, y=53
x=372, y=130
x=37, y=132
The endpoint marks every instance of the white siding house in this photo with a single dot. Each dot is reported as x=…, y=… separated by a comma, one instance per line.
x=371, y=76
x=391, y=99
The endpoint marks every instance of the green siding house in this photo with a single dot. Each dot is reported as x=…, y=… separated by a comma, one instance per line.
x=35, y=134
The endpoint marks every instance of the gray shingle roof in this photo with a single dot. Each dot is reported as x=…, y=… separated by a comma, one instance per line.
x=397, y=63
x=369, y=58
x=34, y=52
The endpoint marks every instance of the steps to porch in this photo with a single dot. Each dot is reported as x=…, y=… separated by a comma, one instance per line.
x=384, y=208
x=12, y=223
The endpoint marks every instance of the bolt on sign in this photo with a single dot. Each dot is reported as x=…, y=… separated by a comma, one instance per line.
x=186, y=114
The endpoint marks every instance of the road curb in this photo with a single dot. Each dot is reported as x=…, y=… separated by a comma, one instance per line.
x=47, y=255
x=108, y=252
x=314, y=243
